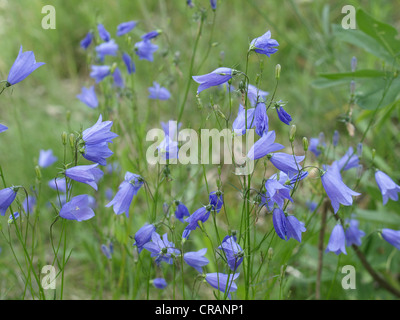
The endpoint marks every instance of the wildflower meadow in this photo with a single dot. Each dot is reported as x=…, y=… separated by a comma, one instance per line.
x=199, y=150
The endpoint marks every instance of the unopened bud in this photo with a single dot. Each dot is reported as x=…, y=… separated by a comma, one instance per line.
x=71, y=140
x=292, y=133
x=64, y=138
x=359, y=171
x=68, y=115
x=373, y=154
x=38, y=173
x=277, y=71
x=113, y=67
x=359, y=150
x=335, y=139
x=352, y=87
x=350, y=129
x=353, y=64
x=270, y=253
x=305, y=143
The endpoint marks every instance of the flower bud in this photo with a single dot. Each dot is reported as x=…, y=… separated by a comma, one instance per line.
x=38, y=173
x=305, y=143
x=359, y=171
x=359, y=150
x=292, y=133
x=353, y=64
x=352, y=87
x=72, y=140
x=277, y=71
x=64, y=138
x=335, y=139
x=270, y=253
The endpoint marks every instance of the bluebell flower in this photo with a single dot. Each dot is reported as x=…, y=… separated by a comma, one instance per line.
x=181, y=211
x=100, y=72
x=130, y=65
x=283, y=115
x=263, y=146
x=239, y=124
x=58, y=184
x=125, y=27
x=316, y=146
x=143, y=235
x=353, y=234
x=348, y=161
x=287, y=227
x=103, y=33
x=276, y=193
x=22, y=67
x=29, y=203
x=337, y=240
x=294, y=228
x=145, y=50
x=201, y=214
x=256, y=95
x=216, y=201
x=151, y=35
x=233, y=252
x=7, y=196
x=261, y=119
x=171, y=129
x=106, y=251
x=196, y=259
x=77, y=209
x=109, y=193
x=118, y=80
x=161, y=249
x=336, y=190
x=158, y=92
x=88, y=174
x=159, y=283
x=85, y=43
x=3, y=128
x=168, y=148
x=287, y=163
x=311, y=205
x=109, y=48
x=222, y=282
x=264, y=44
x=46, y=158
x=190, y=3
x=126, y=191
x=392, y=237
x=13, y=217
x=335, y=138
x=215, y=78
x=89, y=97
x=387, y=186
x=213, y=4
x=95, y=141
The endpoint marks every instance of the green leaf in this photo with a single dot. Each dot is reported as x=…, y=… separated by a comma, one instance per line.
x=375, y=93
x=383, y=33
x=364, y=41
x=356, y=74
x=385, y=217
x=323, y=83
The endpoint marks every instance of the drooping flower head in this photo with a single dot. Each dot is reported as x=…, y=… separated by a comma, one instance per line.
x=145, y=50
x=130, y=65
x=77, y=209
x=239, y=124
x=89, y=97
x=109, y=48
x=256, y=95
x=392, y=237
x=261, y=119
x=287, y=227
x=88, y=174
x=85, y=42
x=100, y=72
x=23, y=66
x=353, y=234
x=387, y=186
x=276, y=193
x=159, y=283
x=264, y=44
x=58, y=184
x=158, y=92
x=283, y=115
x=7, y=196
x=151, y=35
x=222, y=282
x=348, y=161
x=213, y=4
x=107, y=251
x=215, y=78
x=335, y=188
x=95, y=140
x=143, y=235
x=46, y=158
x=126, y=191
x=3, y=128
x=337, y=240
x=125, y=27
x=233, y=252
x=196, y=259
x=286, y=163
x=118, y=80
x=181, y=211
x=103, y=33
x=264, y=146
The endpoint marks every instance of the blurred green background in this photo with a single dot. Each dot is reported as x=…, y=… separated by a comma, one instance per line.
x=37, y=108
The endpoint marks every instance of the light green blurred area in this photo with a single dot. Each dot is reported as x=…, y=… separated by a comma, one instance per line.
x=35, y=110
